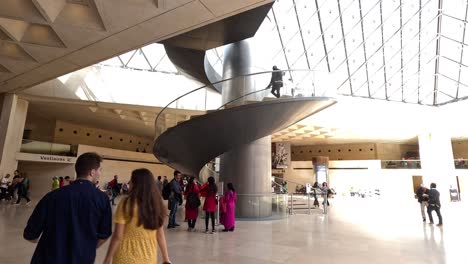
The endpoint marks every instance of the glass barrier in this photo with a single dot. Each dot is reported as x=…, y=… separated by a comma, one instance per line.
x=39, y=147
x=311, y=203
x=246, y=89
x=261, y=206
x=461, y=164
x=401, y=164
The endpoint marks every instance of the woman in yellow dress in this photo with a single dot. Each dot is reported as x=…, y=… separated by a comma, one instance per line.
x=139, y=224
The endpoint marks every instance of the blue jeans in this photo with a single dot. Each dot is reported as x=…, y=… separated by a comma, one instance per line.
x=173, y=204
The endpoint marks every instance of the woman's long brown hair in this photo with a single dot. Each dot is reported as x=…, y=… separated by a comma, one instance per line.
x=146, y=195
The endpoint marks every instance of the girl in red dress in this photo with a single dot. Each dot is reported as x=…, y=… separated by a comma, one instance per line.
x=209, y=191
x=191, y=211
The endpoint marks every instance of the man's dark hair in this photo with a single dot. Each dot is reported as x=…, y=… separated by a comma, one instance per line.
x=159, y=178
x=433, y=185
x=176, y=172
x=87, y=162
x=67, y=177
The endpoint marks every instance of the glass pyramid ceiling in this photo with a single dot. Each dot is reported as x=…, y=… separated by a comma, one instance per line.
x=399, y=50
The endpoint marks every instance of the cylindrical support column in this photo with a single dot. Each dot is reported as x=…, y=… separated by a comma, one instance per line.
x=247, y=166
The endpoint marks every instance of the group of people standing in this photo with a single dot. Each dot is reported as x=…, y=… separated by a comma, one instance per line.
x=59, y=182
x=81, y=217
x=192, y=193
x=15, y=189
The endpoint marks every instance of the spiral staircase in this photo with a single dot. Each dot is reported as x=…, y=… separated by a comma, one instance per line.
x=191, y=144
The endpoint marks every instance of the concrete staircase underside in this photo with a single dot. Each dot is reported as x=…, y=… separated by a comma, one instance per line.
x=188, y=146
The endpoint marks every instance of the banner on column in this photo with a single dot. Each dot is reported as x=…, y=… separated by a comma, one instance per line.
x=281, y=155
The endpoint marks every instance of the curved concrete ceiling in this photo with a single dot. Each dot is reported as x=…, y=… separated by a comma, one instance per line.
x=190, y=145
x=44, y=39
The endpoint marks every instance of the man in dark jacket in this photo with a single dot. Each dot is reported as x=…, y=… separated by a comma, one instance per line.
x=175, y=199
x=276, y=82
x=71, y=223
x=422, y=200
x=434, y=204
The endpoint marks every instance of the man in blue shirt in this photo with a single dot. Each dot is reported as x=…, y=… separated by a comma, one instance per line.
x=72, y=221
x=175, y=199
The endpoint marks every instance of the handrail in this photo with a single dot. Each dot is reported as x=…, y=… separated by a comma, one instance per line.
x=238, y=98
x=287, y=180
x=224, y=80
x=297, y=183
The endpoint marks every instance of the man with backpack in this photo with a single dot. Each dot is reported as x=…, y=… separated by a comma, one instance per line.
x=423, y=200
x=434, y=204
x=173, y=193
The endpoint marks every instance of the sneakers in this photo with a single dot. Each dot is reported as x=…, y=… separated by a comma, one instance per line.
x=431, y=223
x=207, y=232
x=424, y=219
x=439, y=224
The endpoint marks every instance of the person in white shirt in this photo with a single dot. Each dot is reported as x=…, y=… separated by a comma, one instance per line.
x=4, y=183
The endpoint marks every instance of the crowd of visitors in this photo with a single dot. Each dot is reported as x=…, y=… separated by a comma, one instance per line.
x=15, y=189
x=81, y=214
x=59, y=182
x=189, y=188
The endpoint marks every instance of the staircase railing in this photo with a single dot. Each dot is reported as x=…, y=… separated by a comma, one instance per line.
x=258, y=84
x=292, y=208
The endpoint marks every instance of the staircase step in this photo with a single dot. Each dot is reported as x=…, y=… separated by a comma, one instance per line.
x=193, y=116
x=262, y=120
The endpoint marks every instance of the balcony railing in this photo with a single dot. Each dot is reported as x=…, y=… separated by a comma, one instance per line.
x=401, y=164
x=39, y=147
x=461, y=163
x=259, y=89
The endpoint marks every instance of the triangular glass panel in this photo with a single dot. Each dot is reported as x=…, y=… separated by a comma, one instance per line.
x=154, y=53
x=138, y=61
x=127, y=56
x=166, y=66
x=115, y=61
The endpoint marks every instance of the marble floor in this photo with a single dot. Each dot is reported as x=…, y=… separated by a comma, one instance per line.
x=355, y=231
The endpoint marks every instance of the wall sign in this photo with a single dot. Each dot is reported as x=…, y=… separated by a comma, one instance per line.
x=44, y=158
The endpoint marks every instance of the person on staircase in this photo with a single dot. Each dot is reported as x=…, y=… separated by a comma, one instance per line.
x=276, y=81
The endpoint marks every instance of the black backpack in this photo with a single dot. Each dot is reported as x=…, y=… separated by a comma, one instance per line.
x=192, y=200
x=166, y=191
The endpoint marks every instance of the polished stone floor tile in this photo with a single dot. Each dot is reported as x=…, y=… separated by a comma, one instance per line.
x=355, y=231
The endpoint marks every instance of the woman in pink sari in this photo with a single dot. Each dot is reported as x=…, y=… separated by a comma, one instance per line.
x=230, y=198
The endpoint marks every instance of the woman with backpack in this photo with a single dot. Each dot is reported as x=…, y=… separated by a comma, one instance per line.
x=192, y=197
x=209, y=190
x=139, y=222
